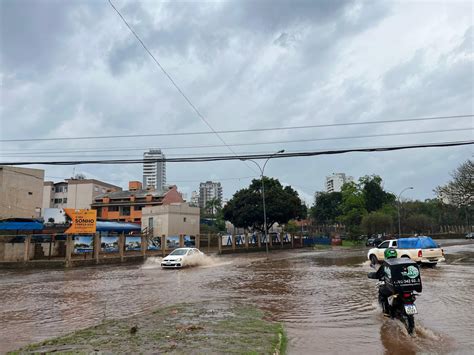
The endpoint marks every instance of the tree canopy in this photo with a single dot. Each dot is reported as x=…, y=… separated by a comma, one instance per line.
x=282, y=204
x=326, y=207
x=460, y=190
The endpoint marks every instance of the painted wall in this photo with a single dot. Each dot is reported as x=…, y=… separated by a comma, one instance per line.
x=21, y=192
x=173, y=219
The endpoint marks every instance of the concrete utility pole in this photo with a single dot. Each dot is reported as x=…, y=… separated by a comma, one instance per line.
x=263, y=193
x=399, y=223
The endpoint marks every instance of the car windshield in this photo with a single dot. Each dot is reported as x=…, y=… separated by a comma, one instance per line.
x=179, y=252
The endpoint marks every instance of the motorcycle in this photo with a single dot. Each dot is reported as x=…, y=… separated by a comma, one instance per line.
x=399, y=306
x=399, y=279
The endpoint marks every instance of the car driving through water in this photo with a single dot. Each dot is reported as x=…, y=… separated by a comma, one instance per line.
x=182, y=257
x=423, y=250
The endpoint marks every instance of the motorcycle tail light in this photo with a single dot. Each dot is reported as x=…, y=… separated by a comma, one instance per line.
x=420, y=253
x=406, y=295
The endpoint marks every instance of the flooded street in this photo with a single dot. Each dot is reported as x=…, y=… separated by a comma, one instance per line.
x=323, y=297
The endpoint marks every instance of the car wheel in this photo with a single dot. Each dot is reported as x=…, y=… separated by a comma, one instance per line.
x=374, y=260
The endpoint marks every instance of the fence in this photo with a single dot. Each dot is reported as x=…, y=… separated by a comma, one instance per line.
x=54, y=249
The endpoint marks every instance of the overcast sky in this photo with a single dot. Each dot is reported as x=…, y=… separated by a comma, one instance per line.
x=72, y=68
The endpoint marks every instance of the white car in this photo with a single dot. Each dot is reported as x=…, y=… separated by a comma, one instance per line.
x=423, y=250
x=181, y=257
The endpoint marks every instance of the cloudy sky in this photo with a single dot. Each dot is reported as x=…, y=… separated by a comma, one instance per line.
x=72, y=69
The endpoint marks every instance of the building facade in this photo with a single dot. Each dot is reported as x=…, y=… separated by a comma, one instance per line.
x=172, y=219
x=126, y=206
x=154, y=172
x=194, y=199
x=21, y=192
x=74, y=193
x=209, y=190
x=336, y=180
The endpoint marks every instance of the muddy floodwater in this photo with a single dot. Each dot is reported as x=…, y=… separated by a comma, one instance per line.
x=323, y=298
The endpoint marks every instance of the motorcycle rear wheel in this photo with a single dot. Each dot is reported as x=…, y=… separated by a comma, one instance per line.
x=409, y=322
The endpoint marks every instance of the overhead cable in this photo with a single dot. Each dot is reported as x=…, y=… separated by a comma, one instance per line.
x=243, y=157
x=173, y=82
x=21, y=153
x=354, y=123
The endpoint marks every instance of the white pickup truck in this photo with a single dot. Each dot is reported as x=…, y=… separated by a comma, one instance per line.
x=420, y=249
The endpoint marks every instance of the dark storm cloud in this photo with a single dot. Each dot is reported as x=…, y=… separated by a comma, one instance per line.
x=244, y=64
x=34, y=31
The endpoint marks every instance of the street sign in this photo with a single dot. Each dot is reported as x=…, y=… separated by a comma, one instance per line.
x=82, y=221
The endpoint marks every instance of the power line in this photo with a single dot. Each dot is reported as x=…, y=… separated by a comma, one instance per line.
x=171, y=180
x=238, y=130
x=174, y=83
x=245, y=157
x=251, y=144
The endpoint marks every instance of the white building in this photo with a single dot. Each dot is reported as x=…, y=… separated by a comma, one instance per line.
x=154, y=172
x=172, y=219
x=209, y=190
x=194, y=199
x=336, y=180
x=74, y=193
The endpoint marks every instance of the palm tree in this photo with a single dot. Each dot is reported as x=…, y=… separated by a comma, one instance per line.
x=212, y=206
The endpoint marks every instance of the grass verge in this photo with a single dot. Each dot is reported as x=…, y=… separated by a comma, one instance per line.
x=179, y=329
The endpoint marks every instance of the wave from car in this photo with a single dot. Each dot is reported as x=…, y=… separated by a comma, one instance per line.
x=423, y=250
x=182, y=257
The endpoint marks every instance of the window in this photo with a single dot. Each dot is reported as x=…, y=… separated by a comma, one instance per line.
x=184, y=219
x=64, y=200
x=137, y=208
x=113, y=208
x=96, y=188
x=125, y=211
x=58, y=200
x=383, y=245
x=65, y=189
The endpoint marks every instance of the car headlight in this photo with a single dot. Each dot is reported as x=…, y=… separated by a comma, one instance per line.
x=179, y=259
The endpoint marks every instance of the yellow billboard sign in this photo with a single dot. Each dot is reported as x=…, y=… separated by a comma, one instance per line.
x=82, y=221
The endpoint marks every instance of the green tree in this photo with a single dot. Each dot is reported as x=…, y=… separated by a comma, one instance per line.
x=374, y=195
x=245, y=209
x=377, y=222
x=326, y=207
x=419, y=223
x=352, y=208
x=292, y=227
x=213, y=206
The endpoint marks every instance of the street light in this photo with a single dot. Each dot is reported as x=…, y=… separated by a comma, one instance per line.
x=399, y=224
x=263, y=193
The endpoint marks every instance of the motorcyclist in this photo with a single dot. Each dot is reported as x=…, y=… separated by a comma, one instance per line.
x=384, y=291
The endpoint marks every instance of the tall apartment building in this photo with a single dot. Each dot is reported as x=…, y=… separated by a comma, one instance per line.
x=194, y=199
x=336, y=180
x=209, y=190
x=74, y=193
x=154, y=172
x=21, y=192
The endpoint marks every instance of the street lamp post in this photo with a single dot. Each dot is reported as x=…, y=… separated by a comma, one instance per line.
x=263, y=194
x=399, y=223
